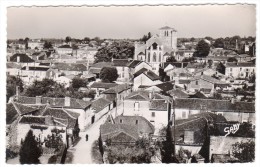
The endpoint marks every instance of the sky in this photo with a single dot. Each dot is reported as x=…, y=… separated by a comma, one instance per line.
x=130, y=21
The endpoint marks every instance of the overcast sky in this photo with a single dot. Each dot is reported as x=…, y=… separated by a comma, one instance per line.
x=130, y=22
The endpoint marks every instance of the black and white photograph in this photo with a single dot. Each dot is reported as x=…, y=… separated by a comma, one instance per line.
x=144, y=84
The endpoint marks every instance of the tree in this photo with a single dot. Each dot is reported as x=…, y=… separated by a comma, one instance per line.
x=244, y=151
x=221, y=68
x=232, y=59
x=39, y=88
x=47, y=45
x=78, y=82
x=67, y=39
x=108, y=74
x=209, y=38
x=202, y=49
x=192, y=39
x=149, y=35
x=30, y=151
x=12, y=82
x=168, y=155
x=26, y=42
x=219, y=43
x=171, y=59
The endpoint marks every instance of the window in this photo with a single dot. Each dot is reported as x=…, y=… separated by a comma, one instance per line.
x=183, y=114
x=136, y=122
x=197, y=83
x=154, y=46
x=154, y=57
x=123, y=75
x=160, y=57
x=136, y=106
x=153, y=114
x=121, y=121
x=149, y=58
x=230, y=69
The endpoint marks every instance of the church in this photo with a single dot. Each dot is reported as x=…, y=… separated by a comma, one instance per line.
x=158, y=48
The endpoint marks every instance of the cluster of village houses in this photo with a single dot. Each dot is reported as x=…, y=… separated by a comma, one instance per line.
x=143, y=103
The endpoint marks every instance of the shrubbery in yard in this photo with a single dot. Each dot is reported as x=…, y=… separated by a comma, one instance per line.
x=30, y=150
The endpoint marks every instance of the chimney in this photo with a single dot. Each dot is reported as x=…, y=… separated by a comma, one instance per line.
x=67, y=101
x=27, y=68
x=18, y=59
x=17, y=91
x=38, y=100
x=188, y=136
x=48, y=120
x=182, y=65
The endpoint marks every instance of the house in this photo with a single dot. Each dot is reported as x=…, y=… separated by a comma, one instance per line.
x=64, y=49
x=22, y=59
x=99, y=108
x=70, y=68
x=122, y=69
x=176, y=71
x=158, y=48
x=96, y=67
x=162, y=87
x=231, y=110
x=206, y=84
x=125, y=129
x=144, y=77
x=190, y=133
x=159, y=111
x=182, y=54
x=65, y=80
x=240, y=70
x=117, y=93
x=30, y=73
x=99, y=87
x=42, y=127
x=77, y=106
x=12, y=68
x=39, y=56
x=35, y=44
x=192, y=67
x=137, y=103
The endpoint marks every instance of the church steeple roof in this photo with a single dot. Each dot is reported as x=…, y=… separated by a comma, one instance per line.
x=166, y=28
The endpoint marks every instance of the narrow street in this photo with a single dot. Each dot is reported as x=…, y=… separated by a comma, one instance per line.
x=82, y=151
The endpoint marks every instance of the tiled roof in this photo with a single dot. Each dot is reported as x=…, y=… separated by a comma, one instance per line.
x=36, y=68
x=242, y=64
x=138, y=95
x=23, y=58
x=148, y=73
x=102, y=64
x=63, y=114
x=103, y=85
x=198, y=95
x=23, y=109
x=70, y=67
x=121, y=62
x=40, y=120
x=175, y=64
x=159, y=105
x=214, y=105
x=11, y=113
x=143, y=125
x=134, y=63
x=100, y=104
x=94, y=70
x=197, y=124
x=12, y=65
x=195, y=65
x=165, y=86
x=109, y=130
x=55, y=102
x=65, y=46
x=117, y=89
x=178, y=93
